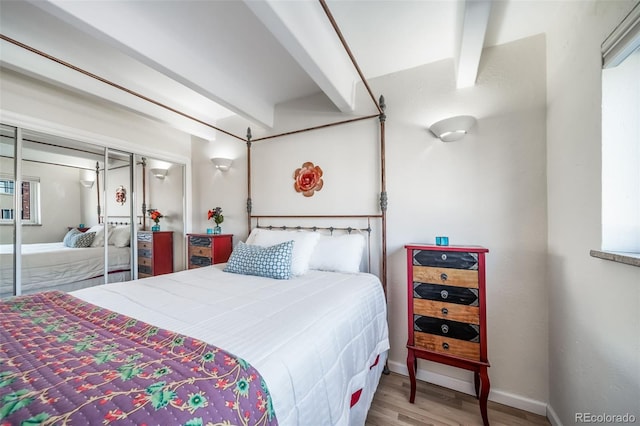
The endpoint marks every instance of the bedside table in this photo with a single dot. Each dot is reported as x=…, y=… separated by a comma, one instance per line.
x=208, y=249
x=155, y=253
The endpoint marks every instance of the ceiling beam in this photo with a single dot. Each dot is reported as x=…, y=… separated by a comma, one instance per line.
x=302, y=28
x=471, y=29
x=164, y=52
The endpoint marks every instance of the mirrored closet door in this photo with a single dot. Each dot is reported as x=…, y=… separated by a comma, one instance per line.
x=81, y=207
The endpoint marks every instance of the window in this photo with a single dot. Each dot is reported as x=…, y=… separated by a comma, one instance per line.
x=30, y=201
x=6, y=186
x=621, y=137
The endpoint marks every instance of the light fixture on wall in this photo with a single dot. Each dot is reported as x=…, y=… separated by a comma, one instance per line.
x=87, y=183
x=454, y=128
x=159, y=173
x=222, y=164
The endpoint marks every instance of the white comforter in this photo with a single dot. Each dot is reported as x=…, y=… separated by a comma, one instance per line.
x=313, y=337
x=50, y=264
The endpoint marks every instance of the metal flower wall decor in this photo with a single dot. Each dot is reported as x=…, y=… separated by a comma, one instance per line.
x=121, y=195
x=308, y=179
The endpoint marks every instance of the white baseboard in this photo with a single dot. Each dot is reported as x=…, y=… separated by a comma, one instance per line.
x=553, y=416
x=496, y=395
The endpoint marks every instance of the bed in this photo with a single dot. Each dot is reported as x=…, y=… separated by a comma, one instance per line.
x=308, y=349
x=50, y=266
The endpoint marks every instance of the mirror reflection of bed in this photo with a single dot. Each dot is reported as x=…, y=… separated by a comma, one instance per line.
x=65, y=203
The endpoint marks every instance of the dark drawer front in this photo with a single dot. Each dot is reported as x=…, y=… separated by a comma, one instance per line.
x=200, y=241
x=145, y=269
x=447, y=328
x=200, y=261
x=445, y=259
x=144, y=252
x=446, y=293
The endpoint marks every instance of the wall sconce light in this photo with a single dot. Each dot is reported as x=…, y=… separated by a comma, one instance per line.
x=222, y=164
x=159, y=173
x=452, y=129
x=87, y=183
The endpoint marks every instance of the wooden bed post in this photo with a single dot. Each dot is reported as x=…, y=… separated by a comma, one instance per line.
x=98, y=188
x=249, y=207
x=383, y=194
x=144, y=193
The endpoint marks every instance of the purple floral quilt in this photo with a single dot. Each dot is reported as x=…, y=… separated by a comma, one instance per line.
x=66, y=361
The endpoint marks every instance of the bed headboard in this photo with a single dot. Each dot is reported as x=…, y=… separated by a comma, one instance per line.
x=121, y=220
x=370, y=226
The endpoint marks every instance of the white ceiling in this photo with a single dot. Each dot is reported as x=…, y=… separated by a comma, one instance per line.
x=210, y=59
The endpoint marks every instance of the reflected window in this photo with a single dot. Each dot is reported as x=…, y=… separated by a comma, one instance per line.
x=30, y=201
x=6, y=186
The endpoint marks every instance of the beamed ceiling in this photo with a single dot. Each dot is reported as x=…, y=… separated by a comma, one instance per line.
x=193, y=63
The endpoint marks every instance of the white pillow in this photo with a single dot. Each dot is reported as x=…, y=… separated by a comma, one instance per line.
x=303, y=245
x=340, y=253
x=98, y=241
x=120, y=236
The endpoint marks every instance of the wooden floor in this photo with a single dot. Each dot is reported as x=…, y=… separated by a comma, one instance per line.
x=436, y=405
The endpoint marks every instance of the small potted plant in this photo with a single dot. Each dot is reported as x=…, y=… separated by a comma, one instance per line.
x=218, y=218
x=155, y=216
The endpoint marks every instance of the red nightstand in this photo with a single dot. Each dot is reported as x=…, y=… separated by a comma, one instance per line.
x=155, y=253
x=207, y=249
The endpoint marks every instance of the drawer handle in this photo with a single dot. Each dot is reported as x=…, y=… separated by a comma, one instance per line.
x=444, y=276
x=445, y=346
x=444, y=294
x=444, y=328
x=445, y=311
x=444, y=256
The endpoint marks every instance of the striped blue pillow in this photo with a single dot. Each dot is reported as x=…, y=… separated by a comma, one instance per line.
x=269, y=262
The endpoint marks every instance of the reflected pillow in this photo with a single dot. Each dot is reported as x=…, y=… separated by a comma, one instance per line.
x=80, y=240
x=269, y=262
x=120, y=236
x=340, y=253
x=98, y=230
x=98, y=241
x=67, y=238
x=304, y=243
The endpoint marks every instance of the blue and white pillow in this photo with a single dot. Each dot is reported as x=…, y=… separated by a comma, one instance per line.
x=67, y=238
x=80, y=240
x=269, y=262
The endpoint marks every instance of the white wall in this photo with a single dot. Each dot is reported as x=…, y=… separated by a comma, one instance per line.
x=594, y=305
x=488, y=189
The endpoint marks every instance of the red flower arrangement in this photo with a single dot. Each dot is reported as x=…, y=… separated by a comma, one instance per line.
x=216, y=214
x=155, y=215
